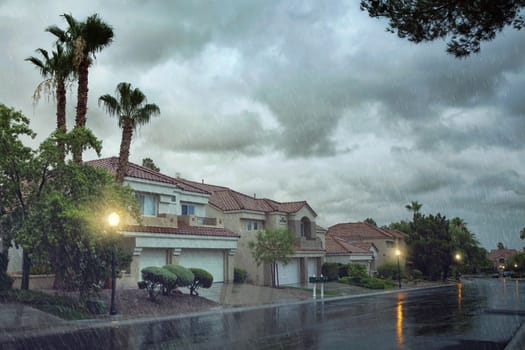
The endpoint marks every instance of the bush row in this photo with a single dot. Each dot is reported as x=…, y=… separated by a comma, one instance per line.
x=166, y=279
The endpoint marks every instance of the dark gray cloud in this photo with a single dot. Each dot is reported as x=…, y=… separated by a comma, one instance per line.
x=301, y=100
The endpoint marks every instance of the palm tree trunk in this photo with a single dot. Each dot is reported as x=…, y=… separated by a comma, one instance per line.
x=61, y=115
x=82, y=98
x=127, y=134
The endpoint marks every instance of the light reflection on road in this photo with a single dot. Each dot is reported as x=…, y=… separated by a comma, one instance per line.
x=399, y=321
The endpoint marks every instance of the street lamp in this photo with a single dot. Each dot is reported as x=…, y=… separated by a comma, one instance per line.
x=458, y=261
x=113, y=221
x=398, y=253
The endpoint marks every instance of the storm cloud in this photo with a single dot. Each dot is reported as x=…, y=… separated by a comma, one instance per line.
x=300, y=100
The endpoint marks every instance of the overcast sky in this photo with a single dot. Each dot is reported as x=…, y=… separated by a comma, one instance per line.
x=300, y=100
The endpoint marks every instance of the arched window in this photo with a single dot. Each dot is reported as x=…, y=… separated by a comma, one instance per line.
x=306, y=229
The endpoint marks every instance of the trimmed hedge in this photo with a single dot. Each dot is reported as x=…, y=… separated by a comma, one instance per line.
x=184, y=277
x=202, y=279
x=155, y=280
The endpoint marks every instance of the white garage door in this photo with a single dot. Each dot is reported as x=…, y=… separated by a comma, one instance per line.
x=151, y=257
x=312, y=267
x=209, y=260
x=289, y=273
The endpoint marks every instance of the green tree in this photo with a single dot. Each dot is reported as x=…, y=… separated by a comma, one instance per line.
x=522, y=233
x=56, y=211
x=500, y=245
x=430, y=246
x=68, y=227
x=370, y=221
x=150, y=164
x=270, y=247
x=21, y=184
x=56, y=69
x=414, y=207
x=465, y=24
x=84, y=40
x=131, y=108
x=473, y=256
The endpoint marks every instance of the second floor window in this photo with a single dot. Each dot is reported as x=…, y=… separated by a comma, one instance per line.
x=187, y=209
x=147, y=203
x=254, y=225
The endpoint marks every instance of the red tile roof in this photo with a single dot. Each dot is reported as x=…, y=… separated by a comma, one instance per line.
x=227, y=199
x=139, y=172
x=359, y=231
x=496, y=254
x=337, y=245
x=183, y=230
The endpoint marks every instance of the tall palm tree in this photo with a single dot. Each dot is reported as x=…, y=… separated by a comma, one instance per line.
x=414, y=207
x=522, y=233
x=56, y=69
x=84, y=39
x=131, y=108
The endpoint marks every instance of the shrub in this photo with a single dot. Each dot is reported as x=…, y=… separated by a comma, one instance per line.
x=202, y=279
x=343, y=270
x=389, y=270
x=239, y=275
x=330, y=270
x=367, y=282
x=184, y=278
x=155, y=279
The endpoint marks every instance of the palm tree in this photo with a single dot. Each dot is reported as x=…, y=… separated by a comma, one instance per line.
x=84, y=39
x=522, y=233
x=414, y=207
x=131, y=108
x=56, y=69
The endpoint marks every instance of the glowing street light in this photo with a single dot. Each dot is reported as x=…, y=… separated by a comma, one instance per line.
x=113, y=221
x=458, y=262
x=398, y=253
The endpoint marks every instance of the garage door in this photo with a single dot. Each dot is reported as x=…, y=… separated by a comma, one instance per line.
x=151, y=257
x=289, y=273
x=312, y=267
x=209, y=260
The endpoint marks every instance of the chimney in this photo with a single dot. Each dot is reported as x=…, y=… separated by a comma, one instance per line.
x=254, y=195
x=203, y=181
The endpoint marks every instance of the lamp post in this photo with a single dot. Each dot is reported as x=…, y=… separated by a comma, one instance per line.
x=398, y=253
x=113, y=220
x=458, y=262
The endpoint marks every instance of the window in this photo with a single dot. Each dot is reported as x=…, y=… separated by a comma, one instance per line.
x=188, y=209
x=306, y=228
x=147, y=203
x=254, y=225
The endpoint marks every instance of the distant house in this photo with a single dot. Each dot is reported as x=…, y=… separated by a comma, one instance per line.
x=500, y=257
x=381, y=241
x=246, y=215
x=339, y=250
x=175, y=227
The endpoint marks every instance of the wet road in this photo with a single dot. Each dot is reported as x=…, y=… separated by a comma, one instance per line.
x=477, y=314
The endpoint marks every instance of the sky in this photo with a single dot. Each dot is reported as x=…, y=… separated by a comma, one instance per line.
x=299, y=100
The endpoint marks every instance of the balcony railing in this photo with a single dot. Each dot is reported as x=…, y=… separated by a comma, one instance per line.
x=193, y=220
x=309, y=243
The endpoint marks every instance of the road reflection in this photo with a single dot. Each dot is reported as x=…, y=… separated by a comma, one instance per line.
x=399, y=321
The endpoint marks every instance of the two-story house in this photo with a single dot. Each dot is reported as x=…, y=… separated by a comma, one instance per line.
x=382, y=242
x=175, y=227
x=247, y=214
